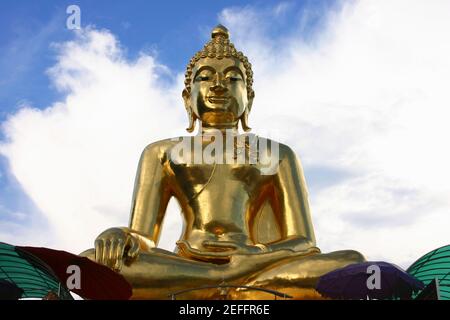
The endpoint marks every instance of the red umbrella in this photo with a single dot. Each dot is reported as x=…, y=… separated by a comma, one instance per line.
x=98, y=282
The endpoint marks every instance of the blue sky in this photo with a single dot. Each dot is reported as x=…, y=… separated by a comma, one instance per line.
x=356, y=88
x=174, y=29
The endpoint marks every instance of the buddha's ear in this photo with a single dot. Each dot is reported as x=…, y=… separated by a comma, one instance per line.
x=244, y=121
x=250, y=101
x=191, y=116
x=244, y=117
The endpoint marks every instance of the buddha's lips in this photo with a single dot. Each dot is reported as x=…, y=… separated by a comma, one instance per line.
x=221, y=100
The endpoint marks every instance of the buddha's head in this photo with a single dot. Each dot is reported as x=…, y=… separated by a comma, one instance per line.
x=218, y=84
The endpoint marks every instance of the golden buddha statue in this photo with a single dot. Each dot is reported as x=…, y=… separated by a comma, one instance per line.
x=243, y=226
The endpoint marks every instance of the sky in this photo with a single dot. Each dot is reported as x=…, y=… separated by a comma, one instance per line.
x=358, y=89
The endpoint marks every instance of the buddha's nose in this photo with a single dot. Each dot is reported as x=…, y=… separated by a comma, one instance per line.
x=218, y=86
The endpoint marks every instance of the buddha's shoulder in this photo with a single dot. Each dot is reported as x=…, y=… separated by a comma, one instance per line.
x=283, y=151
x=162, y=146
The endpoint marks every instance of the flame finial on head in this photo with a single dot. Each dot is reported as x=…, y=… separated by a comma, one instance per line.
x=220, y=30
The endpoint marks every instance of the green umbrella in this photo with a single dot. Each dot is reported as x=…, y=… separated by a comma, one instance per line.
x=434, y=266
x=29, y=273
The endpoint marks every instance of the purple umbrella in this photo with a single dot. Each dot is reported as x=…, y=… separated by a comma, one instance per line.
x=351, y=282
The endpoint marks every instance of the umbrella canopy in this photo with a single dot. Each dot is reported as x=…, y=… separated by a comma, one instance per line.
x=9, y=290
x=29, y=274
x=350, y=282
x=434, y=266
x=98, y=282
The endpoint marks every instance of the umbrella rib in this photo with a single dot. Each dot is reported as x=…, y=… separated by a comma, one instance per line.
x=45, y=281
x=444, y=277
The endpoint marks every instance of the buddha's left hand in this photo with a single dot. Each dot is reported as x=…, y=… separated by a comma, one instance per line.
x=219, y=249
x=236, y=247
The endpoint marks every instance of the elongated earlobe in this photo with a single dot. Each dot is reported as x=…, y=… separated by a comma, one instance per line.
x=192, y=119
x=191, y=115
x=244, y=121
x=248, y=108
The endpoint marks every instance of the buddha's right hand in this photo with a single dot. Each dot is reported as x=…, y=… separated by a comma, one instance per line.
x=115, y=246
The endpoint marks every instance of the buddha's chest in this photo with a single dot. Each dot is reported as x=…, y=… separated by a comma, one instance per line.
x=218, y=175
x=228, y=171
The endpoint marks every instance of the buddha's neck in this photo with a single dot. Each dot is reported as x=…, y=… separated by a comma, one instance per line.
x=214, y=130
x=214, y=122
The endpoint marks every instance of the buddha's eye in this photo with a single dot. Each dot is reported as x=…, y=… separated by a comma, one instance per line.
x=203, y=77
x=233, y=77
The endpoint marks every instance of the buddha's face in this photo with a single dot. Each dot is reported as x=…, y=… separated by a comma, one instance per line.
x=218, y=94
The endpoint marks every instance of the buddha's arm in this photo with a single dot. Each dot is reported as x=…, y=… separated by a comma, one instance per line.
x=290, y=201
x=150, y=197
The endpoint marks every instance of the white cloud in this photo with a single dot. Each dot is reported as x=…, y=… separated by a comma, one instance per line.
x=366, y=97
x=77, y=158
x=364, y=101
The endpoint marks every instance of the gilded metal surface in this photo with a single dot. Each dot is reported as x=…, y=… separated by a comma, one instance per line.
x=241, y=227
